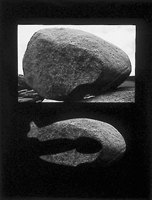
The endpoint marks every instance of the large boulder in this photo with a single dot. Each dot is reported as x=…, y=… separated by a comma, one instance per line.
x=112, y=142
x=58, y=61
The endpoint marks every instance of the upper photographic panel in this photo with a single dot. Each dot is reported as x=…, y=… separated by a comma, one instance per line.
x=76, y=63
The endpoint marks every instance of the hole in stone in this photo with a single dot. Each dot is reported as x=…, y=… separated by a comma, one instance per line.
x=88, y=145
x=82, y=145
x=56, y=146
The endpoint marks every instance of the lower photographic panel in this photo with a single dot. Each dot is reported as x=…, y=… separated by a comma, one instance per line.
x=76, y=152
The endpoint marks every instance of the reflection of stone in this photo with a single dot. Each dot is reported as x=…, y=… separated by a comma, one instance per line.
x=112, y=142
x=58, y=60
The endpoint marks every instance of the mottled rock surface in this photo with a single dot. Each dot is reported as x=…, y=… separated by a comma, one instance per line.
x=58, y=60
x=112, y=142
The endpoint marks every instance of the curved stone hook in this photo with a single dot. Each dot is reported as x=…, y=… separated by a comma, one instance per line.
x=113, y=144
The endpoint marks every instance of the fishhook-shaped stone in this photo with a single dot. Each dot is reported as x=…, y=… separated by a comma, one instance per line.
x=113, y=143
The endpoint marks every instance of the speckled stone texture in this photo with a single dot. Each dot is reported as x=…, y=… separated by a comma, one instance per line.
x=112, y=142
x=58, y=60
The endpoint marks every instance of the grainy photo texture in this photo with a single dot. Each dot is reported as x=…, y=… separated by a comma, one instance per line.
x=78, y=63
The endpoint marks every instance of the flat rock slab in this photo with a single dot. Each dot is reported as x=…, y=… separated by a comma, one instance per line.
x=59, y=60
x=26, y=95
x=125, y=93
x=120, y=95
x=112, y=142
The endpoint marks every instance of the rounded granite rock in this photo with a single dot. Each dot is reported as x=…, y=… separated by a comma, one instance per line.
x=59, y=60
x=112, y=142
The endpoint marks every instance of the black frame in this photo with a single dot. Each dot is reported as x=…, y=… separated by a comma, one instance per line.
x=22, y=174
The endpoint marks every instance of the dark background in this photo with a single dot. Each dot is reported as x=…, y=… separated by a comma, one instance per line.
x=23, y=174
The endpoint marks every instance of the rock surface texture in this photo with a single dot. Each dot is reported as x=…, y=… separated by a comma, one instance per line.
x=58, y=61
x=112, y=142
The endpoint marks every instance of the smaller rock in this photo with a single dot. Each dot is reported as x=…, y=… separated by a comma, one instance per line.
x=112, y=142
x=29, y=96
x=26, y=93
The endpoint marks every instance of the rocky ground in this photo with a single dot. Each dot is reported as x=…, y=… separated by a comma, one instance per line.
x=124, y=93
x=26, y=93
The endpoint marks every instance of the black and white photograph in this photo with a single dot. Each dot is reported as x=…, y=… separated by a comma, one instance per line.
x=76, y=100
x=85, y=63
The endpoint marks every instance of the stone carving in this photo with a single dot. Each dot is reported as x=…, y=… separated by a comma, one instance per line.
x=112, y=142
